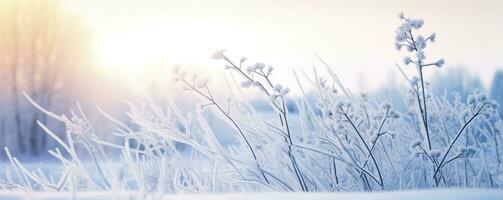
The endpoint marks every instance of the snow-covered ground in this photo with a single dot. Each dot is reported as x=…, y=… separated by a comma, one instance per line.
x=444, y=194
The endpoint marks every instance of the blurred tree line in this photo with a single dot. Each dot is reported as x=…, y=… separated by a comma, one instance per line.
x=44, y=52
x=497, y=89
x=445, y=83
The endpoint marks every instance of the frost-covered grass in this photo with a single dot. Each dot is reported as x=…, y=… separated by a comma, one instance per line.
x=343, y=142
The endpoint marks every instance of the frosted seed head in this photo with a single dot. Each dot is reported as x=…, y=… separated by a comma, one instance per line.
x=398, y=46
x=376, y=117
x=243, y=59
x=416, y=23
x=277, y=87
x=414, y=81
x=201, y=83
x=418, y=153
x=487, y=114
x=420, y=23
x=440, y=63
x=250, y=69
x=370, y=131
x=218, y=54
x=435, y=153
x=259, y=66
x=326, y=113
x=386, y=105
x=407, y=60
x=393, y=114
x=201, y=106
x=284, y=91
x=349, y=103
x=467, y=152
x=433, y=37
x=269, y=69
x=420, y=55
x=340, y=103
x=410, y=102
x=227, y=67
x=415, y=143
x=471, y=99
x=481, y=97
x=401, y=15
x=364, y=96
x=494, y=104
x=420, y=42
x=401, y=35
x=373, y=139
x=476, y=91
x=392, y=134
x=342, y=128
x=274, y=97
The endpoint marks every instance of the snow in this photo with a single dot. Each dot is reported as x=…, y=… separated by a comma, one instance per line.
x=445, y=194
x=333, y=142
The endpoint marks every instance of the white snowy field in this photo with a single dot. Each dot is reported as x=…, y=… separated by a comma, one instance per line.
x=444, y=194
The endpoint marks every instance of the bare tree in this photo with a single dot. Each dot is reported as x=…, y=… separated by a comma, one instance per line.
x=42, y=46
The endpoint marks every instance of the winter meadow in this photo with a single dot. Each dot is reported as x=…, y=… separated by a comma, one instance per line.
x=243, y=128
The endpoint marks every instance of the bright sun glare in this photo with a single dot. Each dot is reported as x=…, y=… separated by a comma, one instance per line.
x=188, y=43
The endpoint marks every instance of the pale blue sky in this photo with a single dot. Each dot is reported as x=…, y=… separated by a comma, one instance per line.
x=356, y=37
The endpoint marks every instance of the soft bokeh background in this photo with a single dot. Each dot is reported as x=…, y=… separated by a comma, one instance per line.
x=356, y=37
x=100, y=52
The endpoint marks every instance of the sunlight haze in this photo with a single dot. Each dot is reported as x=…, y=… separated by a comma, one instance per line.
x=355, y=37
x=251, y=99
